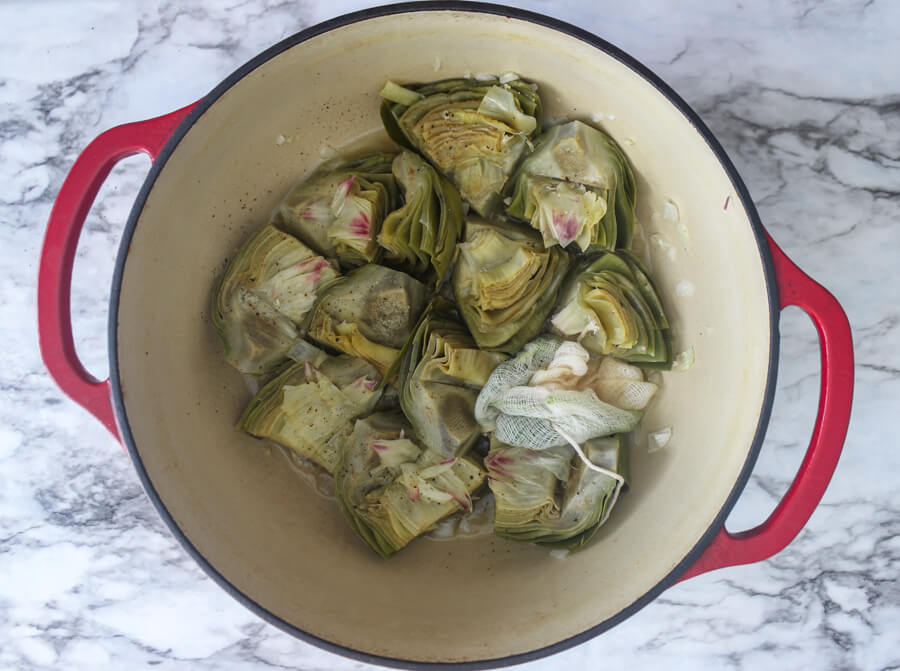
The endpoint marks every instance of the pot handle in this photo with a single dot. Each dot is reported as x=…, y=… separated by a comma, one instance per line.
x=835, y=398
x=58, y=255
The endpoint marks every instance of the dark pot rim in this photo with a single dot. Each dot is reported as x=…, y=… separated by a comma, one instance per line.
x=514, y=13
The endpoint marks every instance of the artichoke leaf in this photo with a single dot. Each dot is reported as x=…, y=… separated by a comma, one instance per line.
x=505, y=283
x=609, y=304
x=420, y=237
x=310, y=408
x=391, y=490
x=370, y=313
x=260, y=306
x=473, y=131
x=576, y=186
x=612, y=453
x=440, y=374
x=339, y=210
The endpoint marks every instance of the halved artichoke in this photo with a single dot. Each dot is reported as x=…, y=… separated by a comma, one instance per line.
x=420, y=237
x=550, y=496
x=440, y=373
x=338, y=211
x=261, y=303
x=577, y=186
x=310, y=407
x=370, y=313
x=610, y=305
x=391, y=490
x=474, y=131
x=506, y=283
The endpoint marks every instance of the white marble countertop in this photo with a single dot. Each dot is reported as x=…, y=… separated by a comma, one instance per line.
x=805, y=97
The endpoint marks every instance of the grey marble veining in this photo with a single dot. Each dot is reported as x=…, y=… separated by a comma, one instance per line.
x=805, y=97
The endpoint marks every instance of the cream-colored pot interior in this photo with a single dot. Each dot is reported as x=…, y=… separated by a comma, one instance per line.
x=248, y=512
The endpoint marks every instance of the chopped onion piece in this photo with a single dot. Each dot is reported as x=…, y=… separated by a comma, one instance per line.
x=684, y=360
x=446, y=528
x=664, y=245
x=656, y=440
x=600, y=117
x=550, y=121
x=328, y=152
x=559, y=553
x=670, y=211
x=684, y=288
x=683, y=234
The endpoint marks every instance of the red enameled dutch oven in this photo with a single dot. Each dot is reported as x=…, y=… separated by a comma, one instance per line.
x=268, y=538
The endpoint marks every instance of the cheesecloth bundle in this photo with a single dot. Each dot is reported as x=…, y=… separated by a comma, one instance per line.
x=552, y=393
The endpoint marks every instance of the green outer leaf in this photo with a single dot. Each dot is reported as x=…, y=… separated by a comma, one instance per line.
x=420, y=237
x=391, y=126
x=451, y=208
x=613, y=453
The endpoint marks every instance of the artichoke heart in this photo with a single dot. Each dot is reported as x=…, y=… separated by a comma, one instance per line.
x=420, y=237
x=440, y=374
x=505, y=283
x=473, y=131
x=370, y=313
x=339, y=210
x=577, y=186
x=310, y=407
x=391, y=490
x=610, y=305
x=550, y=496
x=260, y=304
